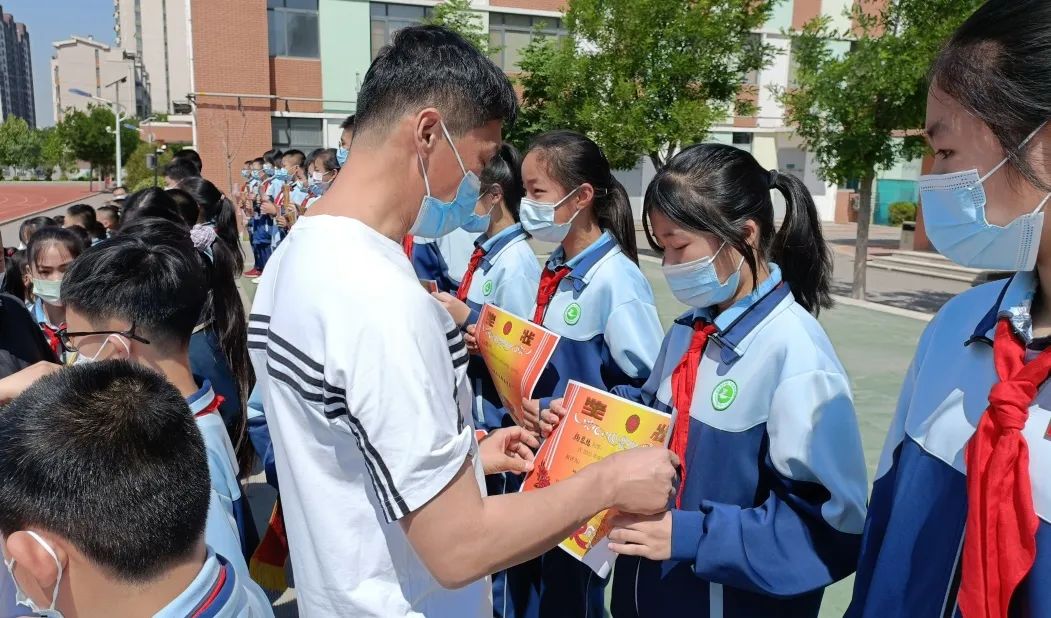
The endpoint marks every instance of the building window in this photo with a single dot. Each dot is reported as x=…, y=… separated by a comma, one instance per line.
x=388, y=19
x=293, y=28
x=742, y=141
x=751, y=78
x=510, y=34
x=301, y=133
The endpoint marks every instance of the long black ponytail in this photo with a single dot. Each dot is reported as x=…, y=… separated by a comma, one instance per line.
x=217, y=210
x=572, y=160
x=505, y=169
x=716, y=188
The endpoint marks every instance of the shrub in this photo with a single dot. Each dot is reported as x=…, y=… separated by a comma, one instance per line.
x=901, y=212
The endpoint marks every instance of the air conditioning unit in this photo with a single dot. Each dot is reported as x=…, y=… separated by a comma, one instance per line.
x=181, y=107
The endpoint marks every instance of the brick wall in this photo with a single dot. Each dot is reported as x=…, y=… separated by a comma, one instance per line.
x=536, y=5
x=230, y=54
x=803, y=11
x=296, y=77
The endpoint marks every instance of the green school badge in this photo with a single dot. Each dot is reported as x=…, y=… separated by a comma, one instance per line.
x=487, y=289
x=724, y=394
x=572, y=315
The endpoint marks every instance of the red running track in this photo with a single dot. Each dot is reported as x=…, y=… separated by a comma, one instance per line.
x=21, y=199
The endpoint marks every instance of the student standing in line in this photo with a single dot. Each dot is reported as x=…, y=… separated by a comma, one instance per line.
x=324, y=168
x=960, y=516
x=772, y=485
x=593, y=294
x=139, y=297
x=104, y=501
x=364, y=374
x=503, y=271
x=50, y=252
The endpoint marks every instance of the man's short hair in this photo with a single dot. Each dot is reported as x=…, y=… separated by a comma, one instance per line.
x=82, y=214
x=348, y=123
x=430, y=66
x=179, y=170
x=107, y=456
x=152, y=280
x=192, y=156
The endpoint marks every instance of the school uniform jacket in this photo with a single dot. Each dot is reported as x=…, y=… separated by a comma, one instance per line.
x=443, y=260
x=229, y=530
x=507, y=277
x=218, y=591
x=774, y=501
x=605, y=313
x=910, y=558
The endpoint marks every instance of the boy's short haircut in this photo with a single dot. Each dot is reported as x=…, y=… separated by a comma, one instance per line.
x=192, y=156
x=273, y=157
x=156, y=283
x=80, y=232
x=430, y=66
x=348, y=123
x=112, y=212
x=259, y=160
x=107, y=456
x=297, y=157
x=180, y=169
x=83, y=214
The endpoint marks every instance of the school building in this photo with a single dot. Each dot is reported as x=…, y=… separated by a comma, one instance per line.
x=285, y=73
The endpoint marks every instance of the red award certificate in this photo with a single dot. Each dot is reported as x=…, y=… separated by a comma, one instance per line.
x=597, y=424
x=515, y=351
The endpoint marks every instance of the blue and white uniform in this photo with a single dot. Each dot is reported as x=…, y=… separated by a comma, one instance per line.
x=910, y=556
x=443, y=260
x=605, y=313
x=218, y=591
x=230, y=529
x=774, y=501
x=507, y=277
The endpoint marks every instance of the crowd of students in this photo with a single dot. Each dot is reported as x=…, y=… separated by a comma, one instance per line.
x=138, y=392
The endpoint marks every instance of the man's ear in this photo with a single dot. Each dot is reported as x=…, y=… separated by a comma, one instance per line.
x=427, y=131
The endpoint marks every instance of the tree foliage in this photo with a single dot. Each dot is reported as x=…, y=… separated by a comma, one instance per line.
x=19, y=145
x=849, y=109
x=456, y=15
x=89, y=136
x=137, y=173
x=644, y=77
x=54, y=152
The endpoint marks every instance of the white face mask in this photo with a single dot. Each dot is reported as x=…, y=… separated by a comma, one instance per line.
x=538, y=218
x=22, y=598
x=83, y=360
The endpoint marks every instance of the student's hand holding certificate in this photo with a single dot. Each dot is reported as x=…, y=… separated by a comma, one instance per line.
x=648, y=536
x=508, y=449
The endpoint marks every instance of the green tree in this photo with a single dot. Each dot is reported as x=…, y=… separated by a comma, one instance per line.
x=456, y=15
x=19, y=145
x=136, y=172
x=851, y=109
x=644, y=77
x=90, y=138
x=54, y=151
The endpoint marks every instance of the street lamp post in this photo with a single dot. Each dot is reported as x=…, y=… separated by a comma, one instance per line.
x=116, y=108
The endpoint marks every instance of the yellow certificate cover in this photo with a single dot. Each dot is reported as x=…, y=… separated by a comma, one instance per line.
x=597, y=424
x=515, y=351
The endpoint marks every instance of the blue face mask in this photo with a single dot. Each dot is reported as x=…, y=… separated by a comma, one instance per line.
x=954, y=217
x=317, y=188
x=697, y=283
x=341, y=155
x=257, y=174
x=245, y=173
x=538, y=218
x=438, y=218
x=281, y=174
x=476, y=223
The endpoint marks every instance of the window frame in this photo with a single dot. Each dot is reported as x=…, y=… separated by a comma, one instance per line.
x=284, y=11
x=499, y=56
x=286, y=130
x=386, y=19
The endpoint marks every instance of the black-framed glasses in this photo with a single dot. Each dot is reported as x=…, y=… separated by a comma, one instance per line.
x=66, y=337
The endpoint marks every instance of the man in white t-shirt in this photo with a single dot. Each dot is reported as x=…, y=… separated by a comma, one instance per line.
x=363, y=374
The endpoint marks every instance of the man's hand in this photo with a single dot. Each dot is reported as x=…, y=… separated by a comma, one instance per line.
x=471, y=339
x=13, y=385
x=549, y=419
x=456, y=307
x=648, y=536
x=509, y=449
x=642, y=479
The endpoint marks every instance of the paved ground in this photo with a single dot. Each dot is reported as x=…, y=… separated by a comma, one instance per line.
x=875, y=347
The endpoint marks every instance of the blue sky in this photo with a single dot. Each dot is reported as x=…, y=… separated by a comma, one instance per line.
x=54, y=20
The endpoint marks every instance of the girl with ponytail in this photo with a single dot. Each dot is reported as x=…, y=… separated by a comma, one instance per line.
x=772, y=490
x=593, y=294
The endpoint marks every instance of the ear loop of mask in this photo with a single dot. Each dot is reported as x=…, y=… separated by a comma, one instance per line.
x=10, y=564
x=423, y=168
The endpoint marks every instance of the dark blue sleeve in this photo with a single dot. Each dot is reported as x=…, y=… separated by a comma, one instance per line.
x=428, y=263
x=207, y=361
x=872, y=538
